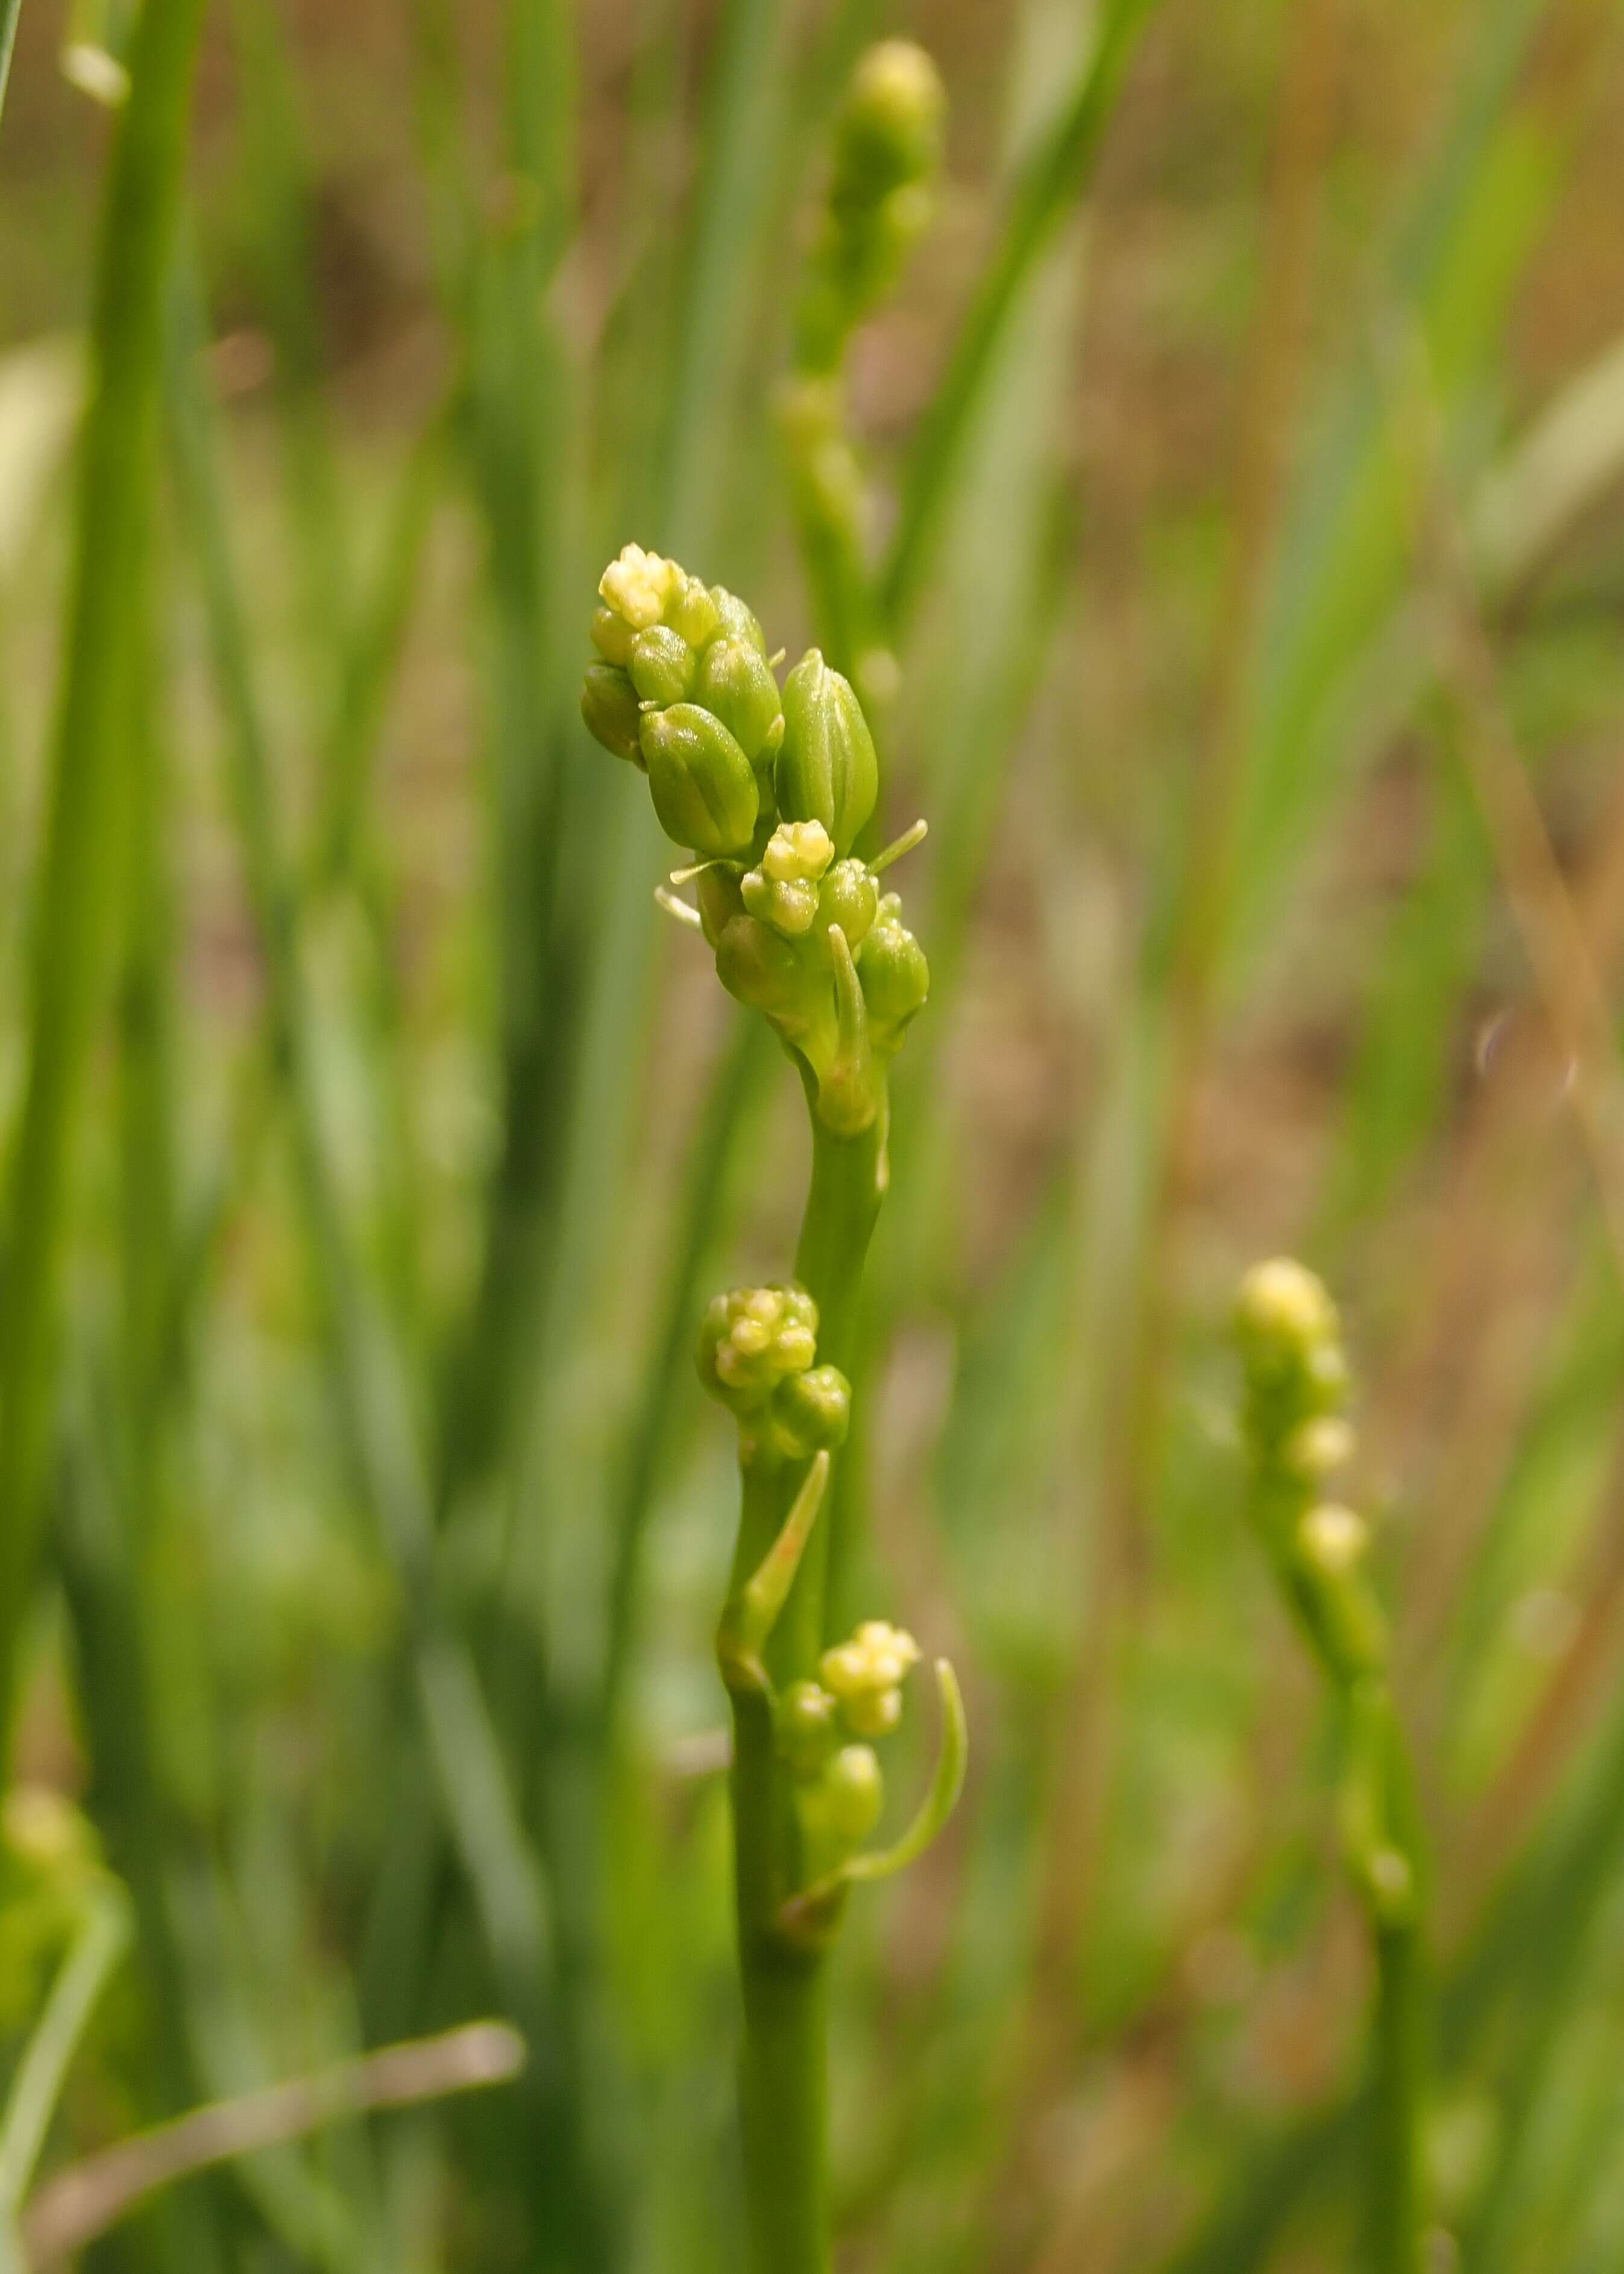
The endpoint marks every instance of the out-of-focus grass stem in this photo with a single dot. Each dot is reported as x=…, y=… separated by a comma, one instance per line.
x=1039, y=203
x=369, y=1377
x=75, y=896
x=10, y=10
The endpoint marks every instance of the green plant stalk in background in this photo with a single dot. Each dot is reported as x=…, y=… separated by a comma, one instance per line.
x=72, y=913
x=10, y=10
x=1296, y=1383
x=772, y=791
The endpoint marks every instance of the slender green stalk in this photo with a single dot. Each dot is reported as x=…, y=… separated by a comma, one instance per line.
x=783, y=2079
x=72, y=940
x=783, y=2091
x=1399, y=2085
x=1295, y=1380
x=100, y=1944
x=10, y=10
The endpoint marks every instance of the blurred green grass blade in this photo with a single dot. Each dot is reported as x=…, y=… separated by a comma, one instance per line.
x=1041, y=197
x=1400, y=1082
x=369, y=1375
x=372, y=654
x=1553, y=476
x=10, y=10
x=286, y=276
x=36, y=2087
x=749, y=1058
x=1457, y=252
x=745, y=105
x=74, y=893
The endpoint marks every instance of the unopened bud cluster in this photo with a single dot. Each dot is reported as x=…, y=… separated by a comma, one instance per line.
x=888, y=141
x=757, y=1351
x=1296, y=1382
x=683, y=688
x=771, y=792
x=825, y=1730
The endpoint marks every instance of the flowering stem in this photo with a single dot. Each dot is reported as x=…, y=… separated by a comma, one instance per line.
x=783, y=2083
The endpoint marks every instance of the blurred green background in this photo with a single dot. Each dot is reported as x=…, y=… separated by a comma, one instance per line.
x=1261, y=675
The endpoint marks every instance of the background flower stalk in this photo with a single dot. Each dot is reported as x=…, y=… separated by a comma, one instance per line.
x=1296, y=1437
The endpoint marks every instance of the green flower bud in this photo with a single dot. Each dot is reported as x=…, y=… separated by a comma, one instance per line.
x=751, y=1339
x=609, y=707
x=661, y=666
x=826, y=769
x=848, y=897
x=810, y=1412
x=612, y=637
x=790, y=908
x=806, y=1729
x=896, y=978
x=703, y=788
x=758, y=966
x=692, y=614
x=735, y=680
x=890, y=127
x=715, y=889
x=734, y=621
x=853, y=1795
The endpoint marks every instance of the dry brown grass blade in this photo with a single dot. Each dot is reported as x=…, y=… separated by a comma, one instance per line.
x=89, y=2197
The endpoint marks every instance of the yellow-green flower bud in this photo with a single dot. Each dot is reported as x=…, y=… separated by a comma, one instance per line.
x=704, y=787
x=612, y=637
x=735, y=680
x=867, y=1674
x=44, y=1836
x=609, y=707
x=896, y=978
x=797, y=852
x=637, y=585
x=849, y=897
x=827, y=770
x=1318, y=1448
x=807, y=1728
x=783, y=891
x=790, y=908
x=852, y=1793
x=1284, y=1311
x=734, y=621
x=751, y=1339
x=1332, y=1539
x=891, y=123
x=661, y=666
x=693, y=614
x=810, y=1412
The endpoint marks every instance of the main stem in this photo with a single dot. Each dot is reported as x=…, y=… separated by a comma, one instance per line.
x=782, y=2076
x=1396, y=2164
